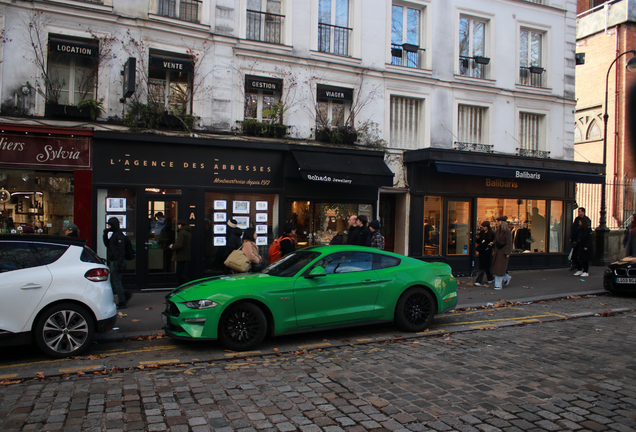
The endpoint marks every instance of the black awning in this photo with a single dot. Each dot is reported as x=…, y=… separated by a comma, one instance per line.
x=518, y=172
x=355, y=170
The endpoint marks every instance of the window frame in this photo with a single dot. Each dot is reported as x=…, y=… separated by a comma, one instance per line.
x=260, y=96
x=421, y=49
x=471, y=64
x=167, y=104
x=422, y=120
x=263, y=19
x=485, y=121
x=544, y=56
x=177, y=7
x=544, y=118
x=334, y=28
x=55, y=61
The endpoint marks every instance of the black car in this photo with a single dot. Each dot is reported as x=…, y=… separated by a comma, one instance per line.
x=620, y=277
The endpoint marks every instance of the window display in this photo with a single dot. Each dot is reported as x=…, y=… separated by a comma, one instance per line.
x=432, y=225
x=123, y=202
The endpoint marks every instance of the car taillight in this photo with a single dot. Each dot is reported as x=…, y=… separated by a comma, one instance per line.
x=97, y=275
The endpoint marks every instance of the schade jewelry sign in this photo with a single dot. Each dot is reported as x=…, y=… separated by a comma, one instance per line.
x=29, y=151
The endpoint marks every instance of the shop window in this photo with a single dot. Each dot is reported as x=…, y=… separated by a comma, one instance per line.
x=405, y=121
x=72, y=71
x=526, y=219
x=122, y=204
x=264, y=20
x=432, y=225
x=170, y=84
x=261, y=94
x=556, y=226
x=41, y=201
x=259, y=211
x=472, y=47
x=186, y=10
x=531, y=58
x=458, y=235
x=333, y=107
x=319, y=223
x=334, y=34
x=405, y=36
x=470, y=126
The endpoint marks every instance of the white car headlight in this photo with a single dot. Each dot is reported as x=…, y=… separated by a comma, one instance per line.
x=201, y=304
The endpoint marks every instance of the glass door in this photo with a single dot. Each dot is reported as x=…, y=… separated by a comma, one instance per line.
x=161, y=232
x=458, y=235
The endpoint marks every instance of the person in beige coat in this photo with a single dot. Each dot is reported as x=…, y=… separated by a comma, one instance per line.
x=503, y=249
x=251, y=250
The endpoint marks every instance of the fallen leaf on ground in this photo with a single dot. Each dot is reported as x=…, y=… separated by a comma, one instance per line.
x=148, y=308
x=135, y=320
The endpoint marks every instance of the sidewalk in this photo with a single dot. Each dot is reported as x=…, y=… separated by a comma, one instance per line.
x=143, y=315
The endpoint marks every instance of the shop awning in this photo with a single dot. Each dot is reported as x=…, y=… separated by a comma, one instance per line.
x=518, y=172
x=351, y=169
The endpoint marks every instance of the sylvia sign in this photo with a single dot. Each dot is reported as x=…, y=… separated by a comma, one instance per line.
x=30, y=151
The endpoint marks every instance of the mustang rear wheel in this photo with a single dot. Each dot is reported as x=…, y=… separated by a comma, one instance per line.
x=242, y=327
x=415, y=309
x=64, y=330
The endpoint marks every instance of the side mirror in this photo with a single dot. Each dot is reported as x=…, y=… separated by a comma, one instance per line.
x=316, y=272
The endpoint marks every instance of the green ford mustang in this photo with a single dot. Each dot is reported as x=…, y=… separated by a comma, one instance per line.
x=319, y=287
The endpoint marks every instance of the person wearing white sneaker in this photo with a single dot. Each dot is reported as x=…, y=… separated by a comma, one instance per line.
x=586, y=274
x=585, y=248
x=577, y=273
x=503, y=249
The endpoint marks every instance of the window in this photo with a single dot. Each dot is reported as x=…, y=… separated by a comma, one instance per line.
x=531, y=58
x=594, y=132
x=50, y=252
x=382, y=262
x=333, y=106
x=170, y=84
x=333, y=31
x=405, y=36
x=432, y=225
x=470, y=127
x=529, y=133
x=472, y=47
x=405, y=122
x=260, y=94
x=187, y=10
x=346, y=262
x=17, y=256
x=264, y=20
x=556, y=226
x=72, y=69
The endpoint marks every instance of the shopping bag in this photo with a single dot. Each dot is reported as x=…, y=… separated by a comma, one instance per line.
x=238, y=261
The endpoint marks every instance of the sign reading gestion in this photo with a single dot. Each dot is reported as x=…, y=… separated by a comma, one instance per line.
x=29, y=151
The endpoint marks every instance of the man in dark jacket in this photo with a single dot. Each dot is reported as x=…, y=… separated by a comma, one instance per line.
x=181, y=250
x=116, y=244
x=288, y=243
x=365, y=233
x=233, y=241
x=353, y=234
x=574, y=234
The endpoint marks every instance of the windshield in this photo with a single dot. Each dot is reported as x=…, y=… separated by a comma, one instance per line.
x=291, y=264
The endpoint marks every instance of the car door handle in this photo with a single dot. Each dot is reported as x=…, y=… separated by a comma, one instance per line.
x=30, y=286
x=368, y=281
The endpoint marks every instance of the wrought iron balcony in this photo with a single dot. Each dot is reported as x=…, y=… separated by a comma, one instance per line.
x=533, y=153
x=333, y=39
x=264, y=26
x=406, y=55
x=187, y=10
x=483, y=148
x=531, y=76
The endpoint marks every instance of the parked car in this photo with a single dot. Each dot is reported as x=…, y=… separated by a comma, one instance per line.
x=55, y=293
x=620, y=276
x=318, y=287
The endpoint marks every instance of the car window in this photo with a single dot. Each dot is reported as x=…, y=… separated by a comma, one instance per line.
x=89, y=256
x=16, y=256
x=51, y=252
x=383, y=261
x=291, y=264
x=346, y=262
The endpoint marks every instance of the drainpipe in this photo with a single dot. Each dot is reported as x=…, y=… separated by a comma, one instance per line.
x=616, y=142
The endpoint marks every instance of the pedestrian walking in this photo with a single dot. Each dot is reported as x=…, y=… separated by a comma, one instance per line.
x=365, y=233
x=353, y=234
x=288, y=242
x=574, y=236
x=485, y=243
x=251, y=250
x=232, y=241
x=629, y=238
x=376, y=239
x=115, y=241
x=182, y=250
x=503, y=249
x=585, y=248
x=71, y=230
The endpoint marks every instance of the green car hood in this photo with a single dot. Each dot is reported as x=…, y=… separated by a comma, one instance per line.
x=230, y=286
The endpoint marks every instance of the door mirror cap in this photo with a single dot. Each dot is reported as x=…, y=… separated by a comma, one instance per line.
x=316, y=272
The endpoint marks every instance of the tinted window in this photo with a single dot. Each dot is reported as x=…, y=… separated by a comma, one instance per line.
x=383, y=261
x=291, y=264
x=89, y=256
x=16, y=256
x=346, y=262
x=51, y=252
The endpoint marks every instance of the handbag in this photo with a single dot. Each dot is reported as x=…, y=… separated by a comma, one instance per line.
x=238, y=261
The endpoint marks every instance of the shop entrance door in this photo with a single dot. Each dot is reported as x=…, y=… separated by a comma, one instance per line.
x=458, y=236
x=156, y=235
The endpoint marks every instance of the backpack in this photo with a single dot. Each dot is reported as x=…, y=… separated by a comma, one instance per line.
x=274, y=250
x=129, y=253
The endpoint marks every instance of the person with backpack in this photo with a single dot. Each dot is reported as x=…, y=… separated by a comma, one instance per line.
x=115, y=241
x=233, y=241
x=283, y=245
x=251, y=250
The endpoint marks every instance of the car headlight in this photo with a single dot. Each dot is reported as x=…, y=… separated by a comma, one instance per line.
x=201, y=304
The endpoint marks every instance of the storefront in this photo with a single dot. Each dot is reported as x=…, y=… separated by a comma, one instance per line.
x=45, y=179
x=453, y=192
x=149, y=182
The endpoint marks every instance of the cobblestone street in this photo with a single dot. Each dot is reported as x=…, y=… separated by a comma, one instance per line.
x=576, y=374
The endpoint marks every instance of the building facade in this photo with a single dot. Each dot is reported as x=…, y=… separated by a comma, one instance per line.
x=431, y=116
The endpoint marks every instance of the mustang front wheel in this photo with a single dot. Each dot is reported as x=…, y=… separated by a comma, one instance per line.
x=415, y=309
x=64, y=330
x=242, y=327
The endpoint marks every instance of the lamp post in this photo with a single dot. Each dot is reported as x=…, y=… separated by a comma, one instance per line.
x=602, y=256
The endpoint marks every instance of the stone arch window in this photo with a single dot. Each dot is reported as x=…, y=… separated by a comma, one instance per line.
x=594, y=132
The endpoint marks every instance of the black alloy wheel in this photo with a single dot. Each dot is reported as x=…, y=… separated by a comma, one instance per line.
x=415, y=310
x=242, y=327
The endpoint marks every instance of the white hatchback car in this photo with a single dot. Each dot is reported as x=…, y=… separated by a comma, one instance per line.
x=55, y=292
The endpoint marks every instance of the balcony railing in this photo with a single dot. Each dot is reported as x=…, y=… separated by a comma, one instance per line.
x=405, y=55
x=464, y=146
x=535, y=1
x=91, y=1
x=531, y=76
x=333, y=39
x=533, y=153
x=188, y=10
x=473, y=66
x=264, y=26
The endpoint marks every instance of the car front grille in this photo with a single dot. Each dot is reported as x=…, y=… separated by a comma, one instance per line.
x=625, y=271
x=172, y=309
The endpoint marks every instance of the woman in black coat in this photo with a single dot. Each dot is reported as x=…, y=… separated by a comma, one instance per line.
x=584, y=248
x=485, y=247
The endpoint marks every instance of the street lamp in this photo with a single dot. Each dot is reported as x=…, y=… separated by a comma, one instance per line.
x=602, y=256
